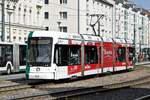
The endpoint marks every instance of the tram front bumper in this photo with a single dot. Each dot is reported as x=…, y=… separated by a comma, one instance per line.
x=41, y=75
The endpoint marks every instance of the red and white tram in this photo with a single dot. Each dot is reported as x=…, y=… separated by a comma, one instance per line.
x=56, y=55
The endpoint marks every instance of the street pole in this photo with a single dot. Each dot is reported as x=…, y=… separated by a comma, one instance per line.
x=78, y=16
x=59, y=26
x=98, y=27
x=134, y=53
x=3, y=21
x=9, y=14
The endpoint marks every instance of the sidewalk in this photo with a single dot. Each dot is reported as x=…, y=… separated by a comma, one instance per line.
x=142, y=63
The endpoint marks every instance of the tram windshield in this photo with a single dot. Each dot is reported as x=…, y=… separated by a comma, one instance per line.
x=40, y=51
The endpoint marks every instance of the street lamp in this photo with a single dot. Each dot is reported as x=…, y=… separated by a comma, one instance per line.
x=140, y=38
x=9, y=11
x=3, y=21
x=134, y=43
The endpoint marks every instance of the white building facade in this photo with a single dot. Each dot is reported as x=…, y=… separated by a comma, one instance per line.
x=62, y=15
x=130, y=22
x=21, y=18
x=104, y=9
x=65, y=18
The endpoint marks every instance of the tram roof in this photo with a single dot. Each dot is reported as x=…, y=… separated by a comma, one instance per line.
x=120, y=40
x=129, y=41
x=57, y=35
x=107, y=39
x=91, y=38
x=63, y=35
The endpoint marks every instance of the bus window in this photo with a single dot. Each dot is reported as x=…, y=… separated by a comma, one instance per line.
x=6, y=54
x=22, y=54
x=121, y=54
x=67, y=55
x=91, y=55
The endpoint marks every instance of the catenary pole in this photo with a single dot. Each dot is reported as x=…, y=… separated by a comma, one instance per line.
x=3, y=21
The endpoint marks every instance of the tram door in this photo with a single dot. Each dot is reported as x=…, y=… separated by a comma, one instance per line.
x=130, y=60
x=120, y=57
x=108, y=57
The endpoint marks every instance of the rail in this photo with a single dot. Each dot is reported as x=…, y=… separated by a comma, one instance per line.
x=88, y=90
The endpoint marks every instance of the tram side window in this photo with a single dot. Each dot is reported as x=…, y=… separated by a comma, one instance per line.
x=61, y=55
x=121, y=54
x=74, y=55
x=91, y=55
x=131, y=50
x=67, y=55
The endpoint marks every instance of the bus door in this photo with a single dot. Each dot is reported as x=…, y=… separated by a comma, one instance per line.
x=22, y=57
x=16, y=57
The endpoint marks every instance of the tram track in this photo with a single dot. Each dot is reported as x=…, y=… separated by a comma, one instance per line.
x=86, y=90
x=14, y=88
x=146, y=97
x=22, y=85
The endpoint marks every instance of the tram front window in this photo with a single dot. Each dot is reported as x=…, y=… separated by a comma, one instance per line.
x=40, y=51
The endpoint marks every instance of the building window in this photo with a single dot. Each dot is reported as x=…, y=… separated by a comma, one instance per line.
x=46, y=15
x=19, y=32
x=63, y=1
x=25, y=39
x=46, y=28
x=7, y=37
x=63, y=15
x=19, y=38
x=63, y=29
x=46, y=1
x=14, y=38
x=14, y=31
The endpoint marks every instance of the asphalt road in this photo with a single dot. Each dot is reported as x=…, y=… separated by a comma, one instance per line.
x=13, y=76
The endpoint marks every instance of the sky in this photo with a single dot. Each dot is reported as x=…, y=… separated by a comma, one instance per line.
x=143, y=3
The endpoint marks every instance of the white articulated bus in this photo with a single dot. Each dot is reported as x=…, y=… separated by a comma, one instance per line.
x=12, y=57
